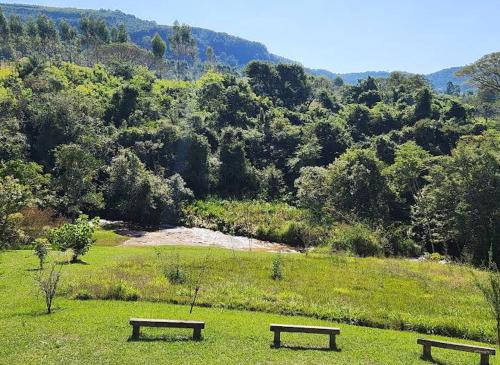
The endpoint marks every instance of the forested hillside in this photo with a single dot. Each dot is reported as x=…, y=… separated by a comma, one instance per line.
x=93, y=124
x=228, y=50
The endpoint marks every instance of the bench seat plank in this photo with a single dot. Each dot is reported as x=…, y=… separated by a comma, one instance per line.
x=305, y=329
x=456, y=346
x=167, y=323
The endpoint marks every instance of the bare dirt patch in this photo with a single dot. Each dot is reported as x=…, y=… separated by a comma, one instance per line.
x=198, y=237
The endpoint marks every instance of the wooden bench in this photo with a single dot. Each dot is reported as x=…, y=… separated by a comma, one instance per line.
x=427, y=344
x=278, y=328
x=137, y=323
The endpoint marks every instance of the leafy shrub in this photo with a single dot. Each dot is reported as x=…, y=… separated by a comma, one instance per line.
x=408, y=248
x=41, y=250
x=293, y=232
x=435, y=256
x=271, y=183
x=83, y=294
x=277, y=268
x=176, y=274
x=172, y=268
x=398, y=243
x=13, y=197
x=356, y=238
x=123, y=291
x=77, y=237
x=12, y=235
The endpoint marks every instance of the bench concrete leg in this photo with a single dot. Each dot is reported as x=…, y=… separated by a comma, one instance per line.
x=136, y=331
x=197, y=334
x=277, y=339
x=333, y=343
x=485, y=359
x=427, y=355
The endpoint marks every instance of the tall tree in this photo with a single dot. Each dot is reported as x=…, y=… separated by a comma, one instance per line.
x=356, y=187
x=4, y=27
x=158, y=46
x=333, y=137
x=461, y=205
x=191, y=162
x=122, y=35
x=338, y=82
x=263, y=78
x=31, y=28
x=76, y=171
x=294, y=87
x=46, y=28
x=452, y=89
x=406, y=174
x=236, y=174
x=183, y=46
x=210, y=60
x=135, y=194
x=94, y=32
x=484, y=73
x=67, y=32
x=423, y=104
x=16, y=26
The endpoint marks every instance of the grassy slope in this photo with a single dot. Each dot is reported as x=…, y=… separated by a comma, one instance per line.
x=398, y=294
x=105, y=237
x=97, y=332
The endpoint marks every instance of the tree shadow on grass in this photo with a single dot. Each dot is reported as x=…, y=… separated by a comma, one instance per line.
x=76, y=262
x=35, y=313
x=128, y=229
x=161, y=338
x=434, y=361
x=305, y=348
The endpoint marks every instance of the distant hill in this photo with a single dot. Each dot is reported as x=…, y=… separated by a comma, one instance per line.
x=353, y=77
x=229, y=50
x=440, y=79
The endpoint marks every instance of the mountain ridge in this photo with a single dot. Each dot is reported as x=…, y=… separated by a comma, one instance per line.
x=230, y=50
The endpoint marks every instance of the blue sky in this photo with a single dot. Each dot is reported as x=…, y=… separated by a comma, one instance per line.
x=339, y=35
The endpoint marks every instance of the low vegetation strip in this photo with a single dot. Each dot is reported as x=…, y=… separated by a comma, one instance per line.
x=274, y=222
x=427, y=297
x=284, y=223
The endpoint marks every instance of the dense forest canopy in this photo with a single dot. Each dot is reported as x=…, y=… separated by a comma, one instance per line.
x=91, y=123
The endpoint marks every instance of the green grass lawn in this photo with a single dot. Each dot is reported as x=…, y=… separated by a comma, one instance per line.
x=389, y=293
x=97, y=332
x=105, y=237
x=426, y=297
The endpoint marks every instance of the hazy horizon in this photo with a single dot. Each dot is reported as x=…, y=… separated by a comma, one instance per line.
x=338, y=36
